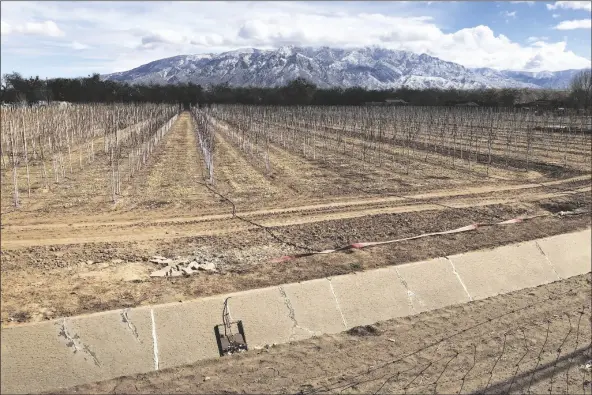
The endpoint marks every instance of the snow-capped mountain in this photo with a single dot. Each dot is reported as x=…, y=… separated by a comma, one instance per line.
x=542, y=79
x=370, y=68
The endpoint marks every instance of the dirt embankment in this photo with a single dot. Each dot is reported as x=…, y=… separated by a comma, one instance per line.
x=56, y=281
x=531, y=341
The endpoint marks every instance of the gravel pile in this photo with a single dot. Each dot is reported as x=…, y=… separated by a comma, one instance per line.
x=178, y=266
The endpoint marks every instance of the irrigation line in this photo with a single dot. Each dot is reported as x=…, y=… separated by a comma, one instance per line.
x=265, y=228
x=363, y=245
x=234, y=214
x=467, y=228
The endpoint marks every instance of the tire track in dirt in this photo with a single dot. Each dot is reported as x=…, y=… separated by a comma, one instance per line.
x=149, y=231
x=342, y=203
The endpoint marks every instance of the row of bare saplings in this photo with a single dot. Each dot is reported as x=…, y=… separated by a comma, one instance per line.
x=50, y=142
x=479, y=137
x=130, y=148
x=245, y=130
x=205, y=131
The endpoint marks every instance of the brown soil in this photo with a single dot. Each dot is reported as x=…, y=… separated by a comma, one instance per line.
x=535, y=340
x=55, y=281
x=16, y=235
x=90, y=255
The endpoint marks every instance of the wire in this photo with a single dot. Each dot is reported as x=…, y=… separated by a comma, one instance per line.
x=353, y=380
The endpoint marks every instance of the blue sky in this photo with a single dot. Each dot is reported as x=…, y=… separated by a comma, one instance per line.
x=66, y=39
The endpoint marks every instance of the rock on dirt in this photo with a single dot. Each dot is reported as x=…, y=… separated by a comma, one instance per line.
x=160, y=260
x=181, y=266
x=364, y=330
x=207, y=266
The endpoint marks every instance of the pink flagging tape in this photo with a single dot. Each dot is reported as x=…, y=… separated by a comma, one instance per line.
x=457, y=230
x=463, y=229
x=282, y=259
x=511, y=221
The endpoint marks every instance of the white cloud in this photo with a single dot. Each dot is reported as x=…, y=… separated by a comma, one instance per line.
x=576, y=24
x=509, y=14
x=525, y=2
x=78, y=46
x=47, y=28
x=124, y=35
x=160, y=37
x=5, y=28
x=534, y=39
x=479, y=47
x=572, y=5
x=555, y=15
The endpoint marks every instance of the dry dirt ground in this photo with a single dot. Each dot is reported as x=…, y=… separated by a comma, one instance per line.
x=535, y=340
x=69, y=250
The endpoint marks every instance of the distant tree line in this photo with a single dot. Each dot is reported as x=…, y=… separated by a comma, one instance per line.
x=91, y=89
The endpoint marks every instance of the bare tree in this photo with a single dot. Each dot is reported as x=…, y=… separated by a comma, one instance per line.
x=581, y=89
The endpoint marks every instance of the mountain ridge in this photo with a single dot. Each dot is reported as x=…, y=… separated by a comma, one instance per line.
x=366, y=67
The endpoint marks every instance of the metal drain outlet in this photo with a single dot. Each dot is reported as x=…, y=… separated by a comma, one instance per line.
x=231, y=341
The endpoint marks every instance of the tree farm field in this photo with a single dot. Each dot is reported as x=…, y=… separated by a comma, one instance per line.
x=90, y=193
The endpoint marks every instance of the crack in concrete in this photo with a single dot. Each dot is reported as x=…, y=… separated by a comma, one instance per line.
x=292, y=315
x=288, y=304
x=410, y=294
x=337, y=303
x=548, y=260
x=459, y=279
x=154, y=340
x=130, y=325
x=74, y=341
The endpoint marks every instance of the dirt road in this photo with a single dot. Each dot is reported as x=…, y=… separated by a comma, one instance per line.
x=531, y=341
x=18, y=236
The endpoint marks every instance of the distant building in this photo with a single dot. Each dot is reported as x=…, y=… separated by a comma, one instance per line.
x=14, y=105
x=388, y=102
x=467, y=104
x=543, y=106
x=396, y=102
x=540, y=104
